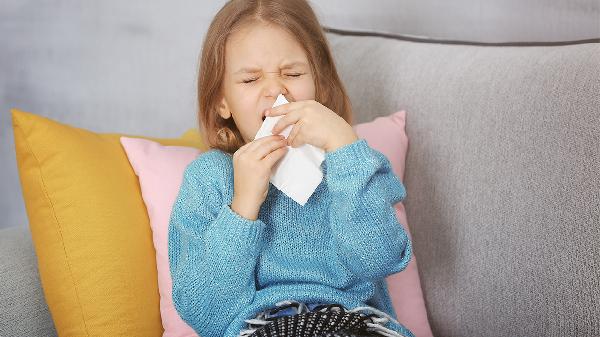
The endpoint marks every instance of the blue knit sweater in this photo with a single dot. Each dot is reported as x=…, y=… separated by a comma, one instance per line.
x=337, y=248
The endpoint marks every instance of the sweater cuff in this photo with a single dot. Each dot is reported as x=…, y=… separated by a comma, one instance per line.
x=235, y=228
x=350, y=159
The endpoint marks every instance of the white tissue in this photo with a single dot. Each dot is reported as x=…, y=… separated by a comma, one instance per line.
x=298, y=172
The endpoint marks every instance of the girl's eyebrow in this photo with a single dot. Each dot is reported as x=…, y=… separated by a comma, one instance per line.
x=255, y=70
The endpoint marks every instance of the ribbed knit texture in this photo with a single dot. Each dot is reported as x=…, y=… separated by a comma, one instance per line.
x=337, y=248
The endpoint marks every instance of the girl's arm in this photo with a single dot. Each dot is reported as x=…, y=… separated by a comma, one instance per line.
x=212, y=251
x=369, y=239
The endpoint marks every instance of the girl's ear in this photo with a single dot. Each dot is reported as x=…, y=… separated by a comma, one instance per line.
x=224, y=111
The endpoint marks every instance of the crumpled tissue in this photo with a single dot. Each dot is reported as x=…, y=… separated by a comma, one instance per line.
x=298, y=173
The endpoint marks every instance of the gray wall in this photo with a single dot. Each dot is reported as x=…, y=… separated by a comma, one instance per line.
x=108, y=66
x=130, y=66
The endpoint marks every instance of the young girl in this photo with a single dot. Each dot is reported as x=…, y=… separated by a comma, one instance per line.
x=247, y=260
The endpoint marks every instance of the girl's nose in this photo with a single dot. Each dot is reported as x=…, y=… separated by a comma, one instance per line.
x=274, y=87
x=274, y=93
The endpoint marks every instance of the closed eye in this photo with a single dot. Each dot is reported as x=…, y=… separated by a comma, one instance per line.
x=250, y=80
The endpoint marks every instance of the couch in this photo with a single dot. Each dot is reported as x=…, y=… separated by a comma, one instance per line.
x=502, y=178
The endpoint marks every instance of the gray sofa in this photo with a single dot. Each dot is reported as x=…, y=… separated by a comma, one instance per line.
x=502, y=177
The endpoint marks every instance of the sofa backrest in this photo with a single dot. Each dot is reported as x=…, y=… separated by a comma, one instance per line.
x=502, y=177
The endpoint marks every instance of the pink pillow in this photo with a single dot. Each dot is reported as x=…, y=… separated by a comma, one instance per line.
x=160, y=172
x=388, y=136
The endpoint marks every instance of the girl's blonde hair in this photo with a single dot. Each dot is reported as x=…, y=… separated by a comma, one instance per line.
x=298, y=19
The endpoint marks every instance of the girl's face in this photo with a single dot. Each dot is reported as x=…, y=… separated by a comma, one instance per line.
x=261, y=62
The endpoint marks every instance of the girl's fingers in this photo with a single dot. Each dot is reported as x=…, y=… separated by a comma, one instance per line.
x=266, y=145
x=281, y=110
x=289, y=118
x=250, y=146
x=276, y=155
x=295, y=130
x=242, y=149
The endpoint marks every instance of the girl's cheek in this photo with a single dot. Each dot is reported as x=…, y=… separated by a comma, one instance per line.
x=246, y=92
x=304, y=91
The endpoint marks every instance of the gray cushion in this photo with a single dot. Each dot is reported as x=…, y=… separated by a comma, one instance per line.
x=467, y=20
x=502, y=177
x=23, y=308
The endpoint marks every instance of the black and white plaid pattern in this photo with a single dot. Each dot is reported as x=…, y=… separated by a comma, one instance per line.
x=327, y=320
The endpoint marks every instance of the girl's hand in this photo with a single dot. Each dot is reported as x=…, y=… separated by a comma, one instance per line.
x=313, y=123
x=252, y=164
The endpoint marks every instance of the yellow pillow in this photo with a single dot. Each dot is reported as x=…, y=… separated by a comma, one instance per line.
x=90, y=228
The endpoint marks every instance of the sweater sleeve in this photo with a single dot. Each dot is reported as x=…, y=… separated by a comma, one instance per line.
x=213, y=252
x=369, y=239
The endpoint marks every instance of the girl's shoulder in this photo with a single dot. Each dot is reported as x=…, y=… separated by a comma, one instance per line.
x=211, y=161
